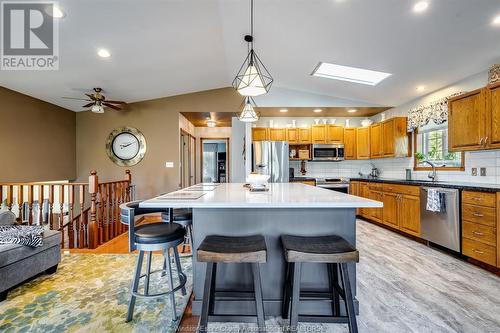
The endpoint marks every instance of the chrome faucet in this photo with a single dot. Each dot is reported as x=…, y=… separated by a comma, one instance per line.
x=432, y=175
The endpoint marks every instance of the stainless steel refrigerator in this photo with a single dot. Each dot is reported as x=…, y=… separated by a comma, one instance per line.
x=271, y=158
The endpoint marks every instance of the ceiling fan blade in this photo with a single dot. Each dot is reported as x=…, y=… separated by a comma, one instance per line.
x=78, y=99
x=92, y=97
x=88, y=105
x=116, y=102
x=111, y=106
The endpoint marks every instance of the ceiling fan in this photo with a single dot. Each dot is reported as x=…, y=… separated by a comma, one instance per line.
x=98, y=101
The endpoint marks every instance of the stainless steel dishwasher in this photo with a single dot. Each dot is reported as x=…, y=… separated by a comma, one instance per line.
x=442, y=228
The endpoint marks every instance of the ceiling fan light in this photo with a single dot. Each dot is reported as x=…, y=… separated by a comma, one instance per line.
x=248, y=115
x=211, y=123
x=96, y=108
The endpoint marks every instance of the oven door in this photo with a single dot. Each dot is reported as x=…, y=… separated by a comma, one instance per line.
x=325, y=152
x=343, y=188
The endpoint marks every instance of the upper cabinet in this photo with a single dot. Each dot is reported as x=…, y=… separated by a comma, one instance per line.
x=260, y=134
x=467, y=116
x=292, y=135
x=318, y=134
x=277, y=134
x=298, y=136
x=350, y=143
x=493, y=125
x=389, y=138
x=334, y=134
x=362, y=143
x=304, y=135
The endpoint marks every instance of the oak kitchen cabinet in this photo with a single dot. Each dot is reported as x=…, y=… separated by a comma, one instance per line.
x=334, y=134
x=304, y=135
x=376, y=141
x=292, y=135
x=277, y=134
x=362, y=143
x=260, y=134
x=350, y=143
x=389, y=138
x=318, y=134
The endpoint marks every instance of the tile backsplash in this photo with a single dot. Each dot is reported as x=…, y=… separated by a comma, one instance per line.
x=396, y=168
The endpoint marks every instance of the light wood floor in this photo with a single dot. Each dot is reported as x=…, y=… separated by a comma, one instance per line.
x=405, y=286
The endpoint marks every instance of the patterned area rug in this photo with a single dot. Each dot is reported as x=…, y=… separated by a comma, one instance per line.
x=89, y=293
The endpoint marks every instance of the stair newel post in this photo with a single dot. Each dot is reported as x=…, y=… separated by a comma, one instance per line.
x=92, y=227
x=51, y=207
x=20, y=200
x=10, y=196
x=40, y=204
x=30, y=204
x=81, y=228
x=61, y=212
x=71, y=228
x=129, y=183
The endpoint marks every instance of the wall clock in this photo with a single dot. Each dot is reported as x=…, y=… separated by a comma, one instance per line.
x=126, y=146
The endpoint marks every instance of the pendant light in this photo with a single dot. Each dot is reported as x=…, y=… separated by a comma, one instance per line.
x=253, y=78
x=248, y=115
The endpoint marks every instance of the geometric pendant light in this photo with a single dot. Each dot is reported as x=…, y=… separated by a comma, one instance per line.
x=253, y=78
x=248, y=114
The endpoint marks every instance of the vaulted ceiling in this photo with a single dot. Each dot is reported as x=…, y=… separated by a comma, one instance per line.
x=168, y=47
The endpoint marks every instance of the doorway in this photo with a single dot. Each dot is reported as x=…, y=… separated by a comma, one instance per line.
x=214, y=154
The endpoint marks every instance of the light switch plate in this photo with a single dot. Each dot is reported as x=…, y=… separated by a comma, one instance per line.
x=482, y=172
x=169, y=164
x=474, y=171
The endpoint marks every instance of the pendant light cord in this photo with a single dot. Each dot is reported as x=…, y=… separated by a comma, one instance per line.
x=251, y=22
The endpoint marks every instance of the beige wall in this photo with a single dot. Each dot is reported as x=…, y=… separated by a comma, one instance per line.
x=158, y=120
x=37, y=139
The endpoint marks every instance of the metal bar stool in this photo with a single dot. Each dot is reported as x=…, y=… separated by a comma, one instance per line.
x=148, y=238
x=184, y=217
x=231, y=250
x=335, y=252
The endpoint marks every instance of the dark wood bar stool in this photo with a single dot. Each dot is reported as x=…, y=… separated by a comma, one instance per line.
x=151, y=237
x=231, y=250
x=184, y=217
x=335, y=252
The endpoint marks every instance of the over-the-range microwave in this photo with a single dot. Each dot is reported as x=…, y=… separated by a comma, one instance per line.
x=331, y=152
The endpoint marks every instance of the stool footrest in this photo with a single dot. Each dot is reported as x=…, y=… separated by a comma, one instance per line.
x=233, y=318
x=323, y=319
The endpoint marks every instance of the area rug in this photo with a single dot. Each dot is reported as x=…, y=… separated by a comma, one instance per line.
x=90, y=293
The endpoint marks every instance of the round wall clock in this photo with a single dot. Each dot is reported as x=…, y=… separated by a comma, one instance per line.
x=126, y=146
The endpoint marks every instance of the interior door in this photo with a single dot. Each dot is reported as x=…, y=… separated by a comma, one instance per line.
x=192, y=160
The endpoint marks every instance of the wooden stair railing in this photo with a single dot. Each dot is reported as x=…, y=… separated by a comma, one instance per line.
x=87, y=214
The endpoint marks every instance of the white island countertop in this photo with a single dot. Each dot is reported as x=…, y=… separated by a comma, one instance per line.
x=280, y=195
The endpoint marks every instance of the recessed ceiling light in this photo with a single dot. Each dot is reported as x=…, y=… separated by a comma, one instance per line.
x=103, y=53
x=56, y=12
x=350, y=74
x=352, y=110
x=420, y=88
x=317, y=110
x=496, y=20
x=420, y=6
x=284, y=110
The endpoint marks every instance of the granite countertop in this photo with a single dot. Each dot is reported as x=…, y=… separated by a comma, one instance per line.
x=280, y=195
x=458, y=185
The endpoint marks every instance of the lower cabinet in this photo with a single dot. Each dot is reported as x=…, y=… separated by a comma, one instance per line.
x=391, y=209
x=409, y=219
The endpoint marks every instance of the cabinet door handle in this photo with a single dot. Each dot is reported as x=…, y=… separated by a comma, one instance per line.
x=485, y=141
x=478, y=251
x=478, y=233
x=477, y=214
x=481, y=142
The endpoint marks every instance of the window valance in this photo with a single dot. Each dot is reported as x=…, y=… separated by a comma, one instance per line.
x=436, y=111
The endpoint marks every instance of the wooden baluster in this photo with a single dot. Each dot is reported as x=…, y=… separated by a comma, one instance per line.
x=100, y=216
x=30, y=204
x=118, y=201
x=82, y=223
x=104, y=207
x=112, y=210
x=93, y=231
x=51, y=207
x=109, y=218
x=100, y=225
x=61, y=213
x=20, y=201
x=10, y=196
x=71, y=227
x=40, y=205
x=129, y=182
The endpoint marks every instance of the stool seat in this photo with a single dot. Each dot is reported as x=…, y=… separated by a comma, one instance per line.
x=226, y=249
x=154, y=233
x=320, y=249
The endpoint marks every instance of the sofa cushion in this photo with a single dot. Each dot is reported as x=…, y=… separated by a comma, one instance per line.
x=7, y=217
x=10, y=253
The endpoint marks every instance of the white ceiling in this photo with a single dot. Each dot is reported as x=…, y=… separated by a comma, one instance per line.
x=168, y=47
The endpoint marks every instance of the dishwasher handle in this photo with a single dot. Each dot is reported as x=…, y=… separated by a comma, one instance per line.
x=442, y=190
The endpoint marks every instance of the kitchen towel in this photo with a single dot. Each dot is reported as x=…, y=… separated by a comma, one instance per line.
x=435, y=200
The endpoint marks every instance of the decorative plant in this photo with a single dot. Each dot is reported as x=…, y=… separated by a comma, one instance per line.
x=420, y=157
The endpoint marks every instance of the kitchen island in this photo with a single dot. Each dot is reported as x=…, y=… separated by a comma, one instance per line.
x=287, y=208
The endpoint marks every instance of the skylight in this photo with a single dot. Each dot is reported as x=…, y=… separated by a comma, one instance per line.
x=350, y=74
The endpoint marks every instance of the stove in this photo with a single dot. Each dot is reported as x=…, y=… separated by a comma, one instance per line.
x=334, y=184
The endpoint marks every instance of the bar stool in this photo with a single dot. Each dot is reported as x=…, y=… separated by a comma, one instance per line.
x=148, y=238
x=335, y=252
x=231, y=250
x=184, y=217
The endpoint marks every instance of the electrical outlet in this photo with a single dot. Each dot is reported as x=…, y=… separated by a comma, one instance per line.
x=482, y=172
x=474, y=171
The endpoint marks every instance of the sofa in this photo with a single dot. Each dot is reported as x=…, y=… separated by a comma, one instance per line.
x=19, y=263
